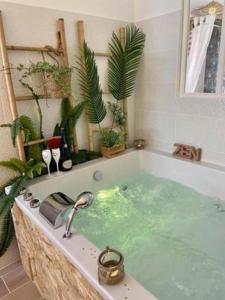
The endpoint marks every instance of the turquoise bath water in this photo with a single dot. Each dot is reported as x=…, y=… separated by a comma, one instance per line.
x=172, y=237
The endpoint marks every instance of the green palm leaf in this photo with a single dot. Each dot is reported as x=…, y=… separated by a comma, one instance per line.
x=6, y=232
x=90, y=86
x=124, y=61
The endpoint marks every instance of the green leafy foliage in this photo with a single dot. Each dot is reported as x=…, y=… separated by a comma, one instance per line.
x=58, y=74
x=6, y=232
x=24, y=124
x=26, y=171
x=69, y=117
x=36, y=97
x=90, y=86
x=111, y=138
x=118, y=114
x=124, y=61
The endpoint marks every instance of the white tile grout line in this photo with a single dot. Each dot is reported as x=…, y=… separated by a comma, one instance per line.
x=10, y=264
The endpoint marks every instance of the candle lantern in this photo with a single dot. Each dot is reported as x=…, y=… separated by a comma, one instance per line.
x=139, y=144
x=110, y=267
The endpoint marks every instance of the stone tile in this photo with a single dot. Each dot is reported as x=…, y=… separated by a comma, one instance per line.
x=10, y=268
x=3, y=289
x=15, y=278
x=26, y=292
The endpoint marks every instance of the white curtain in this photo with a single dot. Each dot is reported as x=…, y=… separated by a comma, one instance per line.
x=200, y=38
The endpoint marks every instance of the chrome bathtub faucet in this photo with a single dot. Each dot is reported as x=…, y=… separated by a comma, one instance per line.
x=84, y=200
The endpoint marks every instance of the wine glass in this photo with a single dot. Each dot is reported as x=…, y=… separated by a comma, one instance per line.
x=56, y=156
x=47, y=157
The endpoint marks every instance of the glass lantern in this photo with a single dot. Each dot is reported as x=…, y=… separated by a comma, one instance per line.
x=110, y=267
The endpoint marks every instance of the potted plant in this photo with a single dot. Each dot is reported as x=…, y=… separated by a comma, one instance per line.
x=26, y=172
x=123, y=65
x=112, y=142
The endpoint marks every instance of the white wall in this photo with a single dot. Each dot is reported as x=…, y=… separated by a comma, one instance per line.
x=115, y=9
x=145, y=9
x=162, y=117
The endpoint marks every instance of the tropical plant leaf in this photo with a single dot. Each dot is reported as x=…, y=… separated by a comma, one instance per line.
x=124, y=61
x=25, y=169
x=12, y=165
x=18, y=185
x=90, y=86
x=6, y=232
x=74, y=114
x=56, y=131
x=66, y=108
x=5, y=204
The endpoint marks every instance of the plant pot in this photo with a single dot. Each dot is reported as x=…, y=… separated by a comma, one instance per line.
x=109, y=152
x=55, y=90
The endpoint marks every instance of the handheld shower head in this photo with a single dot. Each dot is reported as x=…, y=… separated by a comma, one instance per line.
x=84, y=200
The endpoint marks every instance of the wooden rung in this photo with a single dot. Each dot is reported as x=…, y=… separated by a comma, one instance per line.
x=106, y=93
x=104, y=54
x=106, y=127
x=40, y=141
x=24, y=98
x=35, y=49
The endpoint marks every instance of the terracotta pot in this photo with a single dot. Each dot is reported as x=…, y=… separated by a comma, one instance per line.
x=109, y=152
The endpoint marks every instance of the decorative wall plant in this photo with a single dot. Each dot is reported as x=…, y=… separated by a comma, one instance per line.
x=90, y=86
x=124, y=62
x=26, y=172
x=123, y=65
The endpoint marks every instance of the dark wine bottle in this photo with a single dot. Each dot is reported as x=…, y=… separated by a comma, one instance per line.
x=65, y=163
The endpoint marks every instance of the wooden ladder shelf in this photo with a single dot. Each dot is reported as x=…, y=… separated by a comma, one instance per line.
x=90, y=129
x=13, y=99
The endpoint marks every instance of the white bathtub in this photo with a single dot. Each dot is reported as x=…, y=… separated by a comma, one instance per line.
x=205, y=178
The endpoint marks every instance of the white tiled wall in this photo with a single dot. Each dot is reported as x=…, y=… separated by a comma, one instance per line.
x=162, y=117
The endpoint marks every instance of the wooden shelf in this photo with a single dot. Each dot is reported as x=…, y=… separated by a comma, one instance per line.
x=34, y=49
x=40, y=141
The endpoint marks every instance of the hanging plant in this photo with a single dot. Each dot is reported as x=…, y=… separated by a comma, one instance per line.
x=56, y=77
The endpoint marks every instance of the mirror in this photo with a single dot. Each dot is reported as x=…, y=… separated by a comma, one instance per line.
x=202, y=42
